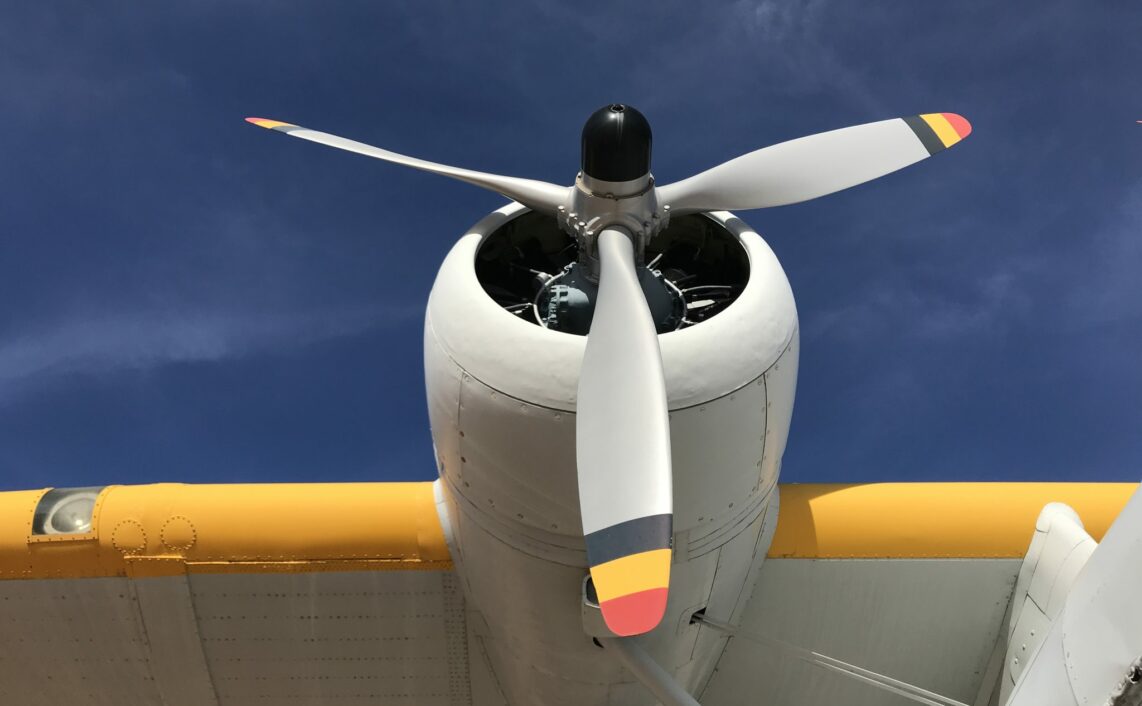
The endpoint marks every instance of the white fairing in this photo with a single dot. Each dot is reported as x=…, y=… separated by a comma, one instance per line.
x=501, y=395
x=1059, y=549
x=1092, y=648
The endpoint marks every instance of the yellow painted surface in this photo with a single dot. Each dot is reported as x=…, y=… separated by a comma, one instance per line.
x=156, y=530
x=931, y=520
x=942, y=128
x=631, y=574
x=263, y=122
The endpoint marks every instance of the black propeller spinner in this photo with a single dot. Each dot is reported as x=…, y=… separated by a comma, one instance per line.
x=616, y=144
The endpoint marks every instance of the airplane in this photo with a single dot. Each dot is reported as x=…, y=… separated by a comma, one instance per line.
x=610, y=373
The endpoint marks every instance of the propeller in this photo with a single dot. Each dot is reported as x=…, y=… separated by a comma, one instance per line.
x=808, y=167
x=623, y=436
x=623, y=448
x=536, y=195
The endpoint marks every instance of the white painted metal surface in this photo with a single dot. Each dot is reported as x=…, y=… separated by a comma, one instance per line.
x=542, y=367
x=1059, y=550
x=349, y=638
x=929, y=622
x=176, y=658
x=1096, y=639
x=74, y=641
x=396, y=637
x=502, y=398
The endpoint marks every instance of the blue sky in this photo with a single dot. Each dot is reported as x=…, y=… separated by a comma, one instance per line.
x=184, y=297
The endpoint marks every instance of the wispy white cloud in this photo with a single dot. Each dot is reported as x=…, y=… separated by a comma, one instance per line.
x=908, y=310
x=125, y=342
x=1097, y=286
x=789, y=36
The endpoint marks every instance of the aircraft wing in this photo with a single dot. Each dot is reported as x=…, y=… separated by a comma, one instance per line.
x=345, y=594
x=235, y=594
x=909, y=581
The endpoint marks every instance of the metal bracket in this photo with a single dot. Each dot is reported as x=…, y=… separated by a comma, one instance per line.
x=593, y=205
x=1128, y=692
x=867, y=676
x=593, y=623
x=656, y=679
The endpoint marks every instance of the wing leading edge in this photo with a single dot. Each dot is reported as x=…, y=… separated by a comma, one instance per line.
x=156, y=530
x=930, y=520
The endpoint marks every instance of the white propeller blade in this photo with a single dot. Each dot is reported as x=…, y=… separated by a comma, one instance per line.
x=816, y=165
x=536, y=195
x=1093, y=651
x=623, y=448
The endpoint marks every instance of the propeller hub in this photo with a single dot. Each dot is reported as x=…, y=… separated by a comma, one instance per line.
x=616, y=144
x=614, y=187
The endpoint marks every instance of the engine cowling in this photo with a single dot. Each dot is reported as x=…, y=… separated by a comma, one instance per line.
x=501, y=393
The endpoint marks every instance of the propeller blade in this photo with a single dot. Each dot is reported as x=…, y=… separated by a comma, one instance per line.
x=536, y=195
x=808, y=167
x=623, y=448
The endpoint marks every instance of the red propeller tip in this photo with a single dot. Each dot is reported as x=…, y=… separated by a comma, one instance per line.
x=635, y=613
x=959, y=123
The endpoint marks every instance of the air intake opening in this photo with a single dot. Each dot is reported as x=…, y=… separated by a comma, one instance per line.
x=698, y=260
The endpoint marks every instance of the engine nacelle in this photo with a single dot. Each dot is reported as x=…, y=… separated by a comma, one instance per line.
x=502, y=393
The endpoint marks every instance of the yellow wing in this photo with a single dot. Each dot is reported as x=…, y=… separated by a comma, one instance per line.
x=345, y=593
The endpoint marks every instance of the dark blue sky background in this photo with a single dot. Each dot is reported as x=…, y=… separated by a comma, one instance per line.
x=184, y=297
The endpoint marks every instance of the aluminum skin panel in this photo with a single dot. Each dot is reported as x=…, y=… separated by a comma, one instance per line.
x=334, y=638
x=329, y=638
x=73, y=641
x=930, y=622
x=178, y=665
